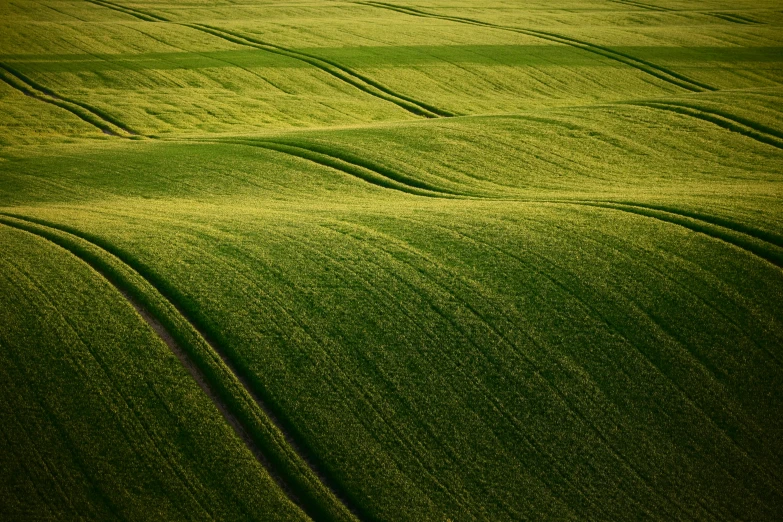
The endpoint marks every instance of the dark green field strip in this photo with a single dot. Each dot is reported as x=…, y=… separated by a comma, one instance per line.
x=98, y=118
x=542, y=56
x=397, y=249
x=332, y=68
x=241, y=407
x=744, y=126
x=356, y=167
x=411, y=269
x=642, y=65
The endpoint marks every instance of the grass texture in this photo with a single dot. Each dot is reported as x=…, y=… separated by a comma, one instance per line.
x=391, y=260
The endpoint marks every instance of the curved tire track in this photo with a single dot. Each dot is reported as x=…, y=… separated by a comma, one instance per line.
x=640, y=5
x=355, y=167
x=752, y=244
x=341, y=72
x=95, y=117
x=722, y=119
x=136, y=13
x=735, y=18
x=642, y=65
x=214, y=372
x=761, y=235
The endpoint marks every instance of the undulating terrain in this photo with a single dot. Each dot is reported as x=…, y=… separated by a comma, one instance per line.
x=409, y=260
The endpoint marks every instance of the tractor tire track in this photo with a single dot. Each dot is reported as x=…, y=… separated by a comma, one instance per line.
x=213, y=371
x=761, y=235
x=354, y=167
x=133, y=433
x=722, y=119
x=132, y=11
x=341, y=72
x=95, y=117
x=735, y=18
x=751, y=244
x=640, y=64
x=640, y=5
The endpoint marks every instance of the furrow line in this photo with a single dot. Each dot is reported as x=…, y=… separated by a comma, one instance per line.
x=354, y=167
x=132, y=11
x=369, y=81
x=409, y=444
x=644, y=6
x=215, y=373
x=737, y=19
x=541, y=368
x=722, y=119
x=95, y=117
x=640, y=64
x=761, y=235
x=490, y=398
x=751, y=244
x=340, y=72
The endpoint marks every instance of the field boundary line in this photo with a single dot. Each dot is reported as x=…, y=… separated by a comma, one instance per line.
x=212, y=369
x=748, y=128
x=95, y=117
x=640, y=64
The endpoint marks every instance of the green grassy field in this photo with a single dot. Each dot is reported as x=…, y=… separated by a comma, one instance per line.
x=410, y=260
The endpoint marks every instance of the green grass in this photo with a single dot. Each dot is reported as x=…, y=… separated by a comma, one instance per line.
x=442, y=260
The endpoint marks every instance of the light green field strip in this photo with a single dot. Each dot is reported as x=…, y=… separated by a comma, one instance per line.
x=583, y=153
x=243, y=409
x=165, y=93
x=105, y=423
